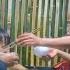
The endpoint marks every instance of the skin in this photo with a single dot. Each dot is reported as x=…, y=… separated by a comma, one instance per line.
x=18, y=67
x=53, y=52
x=30, y=39
x=10, y=59
x=6, y=56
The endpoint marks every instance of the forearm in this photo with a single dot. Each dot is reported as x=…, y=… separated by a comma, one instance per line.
x=64, y=55
x=63, y=41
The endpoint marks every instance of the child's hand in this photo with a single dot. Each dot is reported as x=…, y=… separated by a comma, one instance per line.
x=9, y=58
x=52, y=52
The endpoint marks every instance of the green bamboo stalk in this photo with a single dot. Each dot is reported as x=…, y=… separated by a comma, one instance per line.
x=47, y=22
x=60, y=19
x=12, y=31
x=64, y=19
x=0, y=13
x=25, y=25
x=6, y=15
x=21, y=30
x=41, y=62
x=58, y=23
x=64, y=16
x=18, y=10
x=39, y=24
x=17, y=18
x=36, y=20
x=29, y=19
x=45, y=17
x=29, y=23
x=33, y=26
x=50, y=23
x=3, y=12
x=44, y=21
x=53, y=19
x=57, y=16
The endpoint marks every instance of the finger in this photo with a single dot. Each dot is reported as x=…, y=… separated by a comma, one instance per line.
x=23, y=38
x=27, y=42
x=23, y=42
x=53, y=54
x=22, y=35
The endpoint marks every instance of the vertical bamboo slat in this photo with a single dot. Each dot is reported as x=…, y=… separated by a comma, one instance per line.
x=12, y=31
x=38, y=25
x=16, y=20
x=64, y=19
x=64, y=16
x=47, y=18
x=0, y=13
x=60, y=18
x=50, y=23
x=24, y=27
x=42, y=62
x=57, y=22
x=45, y=21
x=33, y=25
x=6, y=15
x=3, y=12
x=57, y=18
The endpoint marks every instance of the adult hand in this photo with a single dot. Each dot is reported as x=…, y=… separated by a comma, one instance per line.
x=28, y=39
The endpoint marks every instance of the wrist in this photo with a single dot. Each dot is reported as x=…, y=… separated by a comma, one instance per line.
x=59, y=52
x=40, y=41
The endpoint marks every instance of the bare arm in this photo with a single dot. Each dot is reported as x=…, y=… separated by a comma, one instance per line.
x=61, y=53
x=63, y=42
x=31, y=39
x=64, y=55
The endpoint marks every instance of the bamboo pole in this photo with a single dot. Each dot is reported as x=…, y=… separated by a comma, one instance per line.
x=38, y=25
x=33, y=26
x=3, y=12
x=24, y=28
x=6, y=15
x=0, y=13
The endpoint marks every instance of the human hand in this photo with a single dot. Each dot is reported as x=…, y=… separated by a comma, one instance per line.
x=9, y=57
x=28, y=39
x=18, y=67
x=4, y=50
x=52, y=52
